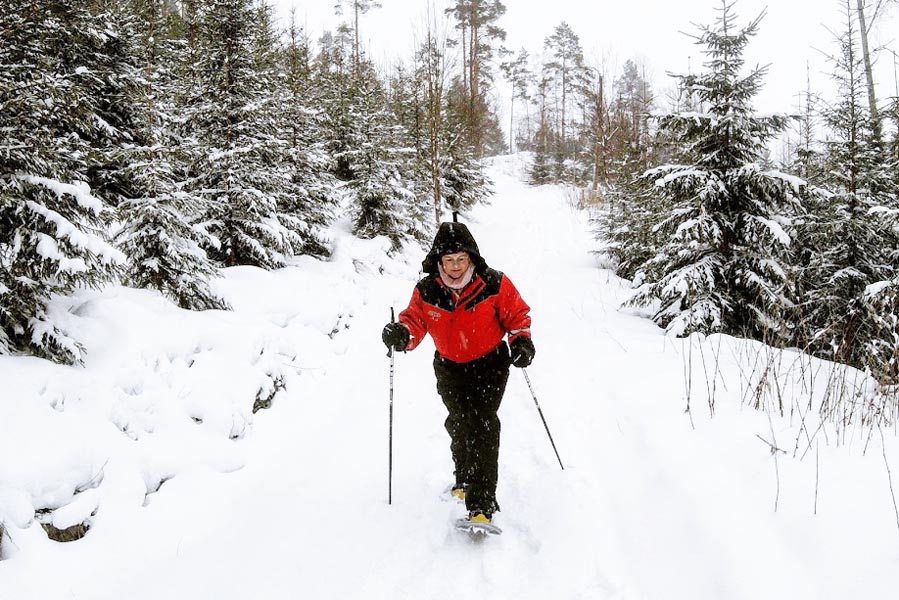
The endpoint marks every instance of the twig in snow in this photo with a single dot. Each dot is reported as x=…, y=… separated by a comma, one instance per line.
x=817, y=462
x=774, y=449
x=688, y=379
x=710, y=389
x=886, y=463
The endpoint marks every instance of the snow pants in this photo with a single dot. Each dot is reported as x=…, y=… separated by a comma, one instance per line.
x=472, y=393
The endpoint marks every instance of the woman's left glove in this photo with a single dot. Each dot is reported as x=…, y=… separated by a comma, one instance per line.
x=522, y=351
x=395, y=336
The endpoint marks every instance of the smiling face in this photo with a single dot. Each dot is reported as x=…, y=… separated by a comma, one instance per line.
x=455, y=264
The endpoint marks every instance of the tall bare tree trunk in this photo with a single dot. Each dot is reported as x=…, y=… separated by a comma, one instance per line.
x=512, y=115
x=356, y=46
x=434, y=70
x=600, y=134
x=866, y=56
x=564, y=101
x=896, y=118
x=464, y=59
x=474, y=80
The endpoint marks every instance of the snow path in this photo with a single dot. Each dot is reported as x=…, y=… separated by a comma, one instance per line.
x=649, y=506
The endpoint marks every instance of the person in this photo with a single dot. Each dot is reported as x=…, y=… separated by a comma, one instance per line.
x=467, y=308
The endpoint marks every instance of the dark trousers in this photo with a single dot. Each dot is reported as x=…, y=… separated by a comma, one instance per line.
x=472, y=393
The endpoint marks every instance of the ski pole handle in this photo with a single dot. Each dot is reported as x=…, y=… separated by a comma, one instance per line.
x=392, y=320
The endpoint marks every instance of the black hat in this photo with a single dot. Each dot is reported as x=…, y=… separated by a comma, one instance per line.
x=452, y=238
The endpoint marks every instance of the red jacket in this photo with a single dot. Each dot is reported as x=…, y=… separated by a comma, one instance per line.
x=469, y=327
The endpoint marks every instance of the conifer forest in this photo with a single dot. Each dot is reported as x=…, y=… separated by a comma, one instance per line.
x=152, y=143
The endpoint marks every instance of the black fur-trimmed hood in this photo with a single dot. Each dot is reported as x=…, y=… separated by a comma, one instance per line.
x=452, y=238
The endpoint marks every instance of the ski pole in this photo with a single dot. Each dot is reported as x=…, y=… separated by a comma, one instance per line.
x=542, y=418
x=390, y=353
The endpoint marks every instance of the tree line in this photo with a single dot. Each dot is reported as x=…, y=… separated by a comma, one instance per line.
x=718, y=237
x=152, y=142
x=715, y=235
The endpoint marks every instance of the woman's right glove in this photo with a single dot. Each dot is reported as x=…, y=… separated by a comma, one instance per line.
x=395, y=336
x=522, y=351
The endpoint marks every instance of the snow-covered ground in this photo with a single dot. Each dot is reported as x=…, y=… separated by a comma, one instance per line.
x=189, y=494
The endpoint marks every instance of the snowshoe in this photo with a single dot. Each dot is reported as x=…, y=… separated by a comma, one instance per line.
x=478, y=524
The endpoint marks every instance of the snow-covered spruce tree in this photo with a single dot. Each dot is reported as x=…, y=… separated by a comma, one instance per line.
x=419, y=103
x=334, y=83
x=633, y=143
x=111, y=61
x=722, y=241
x=410, y=102
x=310, y=204
x=51, y=225
x=238, y=160
x=545, y=168
x=848, y=241
x=623, y=147
x=881, y=299
x=894, y=144
x=433, y=121
x=885, y=296
x=383, y=196
x=624, y=227
x=164, y=250
x=464, y=183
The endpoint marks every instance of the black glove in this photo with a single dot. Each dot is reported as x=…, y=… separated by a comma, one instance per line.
x=395, y=336
x=522, y=351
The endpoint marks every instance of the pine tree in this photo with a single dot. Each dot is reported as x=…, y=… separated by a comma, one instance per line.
x=517, y=71
x=720, y=265
x=445, y=175
x=52, y=227
x=358, y=8
x=545, y=169
x=464, y=180
x=239, y=160
x=624, y=227
x=110, y=60
x=426, y=102
x=334, y=79
x=848, y=239
x=382, y=195
x=569, y=74
x=311, y=202
x=806, y=160
x=632, y=107
x=164, y=251
x=477, y=23
x=596, y=139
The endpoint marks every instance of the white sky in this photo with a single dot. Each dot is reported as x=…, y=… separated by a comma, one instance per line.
x=793, y=34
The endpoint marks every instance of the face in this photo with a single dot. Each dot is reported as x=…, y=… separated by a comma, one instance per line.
x=455, y=264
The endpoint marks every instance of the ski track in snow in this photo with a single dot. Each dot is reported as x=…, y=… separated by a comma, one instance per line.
x=650, y=505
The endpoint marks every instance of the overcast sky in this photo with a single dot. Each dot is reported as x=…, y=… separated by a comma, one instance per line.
x=793, y=34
